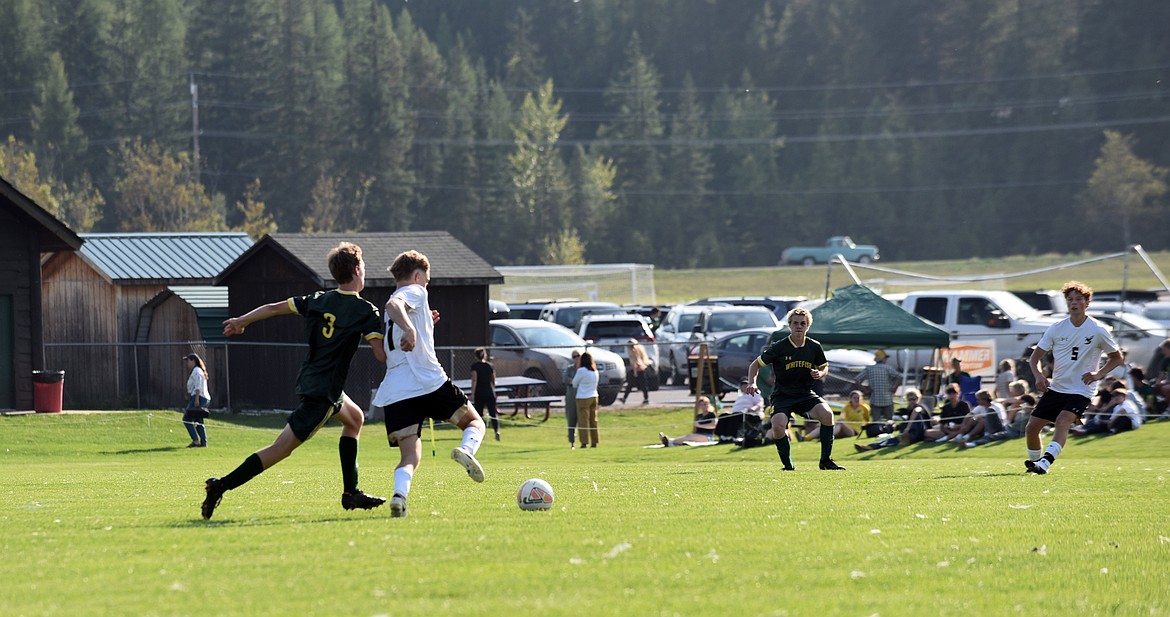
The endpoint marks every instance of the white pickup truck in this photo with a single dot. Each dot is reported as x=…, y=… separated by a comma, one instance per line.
x=985, y=327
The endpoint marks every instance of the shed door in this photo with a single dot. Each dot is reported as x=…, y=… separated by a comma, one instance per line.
x=7, y=366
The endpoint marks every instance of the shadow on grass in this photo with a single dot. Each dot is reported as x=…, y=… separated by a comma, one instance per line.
x=145, y=450
x=198, y=522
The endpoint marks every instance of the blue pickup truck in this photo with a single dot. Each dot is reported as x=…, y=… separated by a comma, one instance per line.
x=812, y=255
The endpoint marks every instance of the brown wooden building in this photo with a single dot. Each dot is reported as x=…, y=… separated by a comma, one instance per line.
x=263, y=363
x=26, y=232
x=98, y=307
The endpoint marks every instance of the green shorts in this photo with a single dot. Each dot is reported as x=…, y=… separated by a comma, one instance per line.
x=311, y=415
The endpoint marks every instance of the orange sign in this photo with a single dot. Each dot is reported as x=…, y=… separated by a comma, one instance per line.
x=977, y=356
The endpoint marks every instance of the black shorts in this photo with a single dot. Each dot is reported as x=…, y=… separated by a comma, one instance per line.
x=800, y=406
x=311, y=415
x=410, y=413
x=1053, y=402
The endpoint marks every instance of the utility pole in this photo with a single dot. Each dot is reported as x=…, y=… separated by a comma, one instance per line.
x=195, y=125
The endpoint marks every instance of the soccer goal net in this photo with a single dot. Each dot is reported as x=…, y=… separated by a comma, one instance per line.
x=620, y=283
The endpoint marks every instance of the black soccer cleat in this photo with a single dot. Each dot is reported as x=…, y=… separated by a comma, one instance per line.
x=1034, y=468
x=215, y=493
x=830, y=464
x=358, y=500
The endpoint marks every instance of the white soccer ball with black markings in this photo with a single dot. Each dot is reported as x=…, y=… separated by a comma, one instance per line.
x=535, y=494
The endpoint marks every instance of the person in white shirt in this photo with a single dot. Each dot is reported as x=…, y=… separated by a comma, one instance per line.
x=585, y=381
x=415, y=386
x=1076, y=343
x=1126, y=416
x=198, y=396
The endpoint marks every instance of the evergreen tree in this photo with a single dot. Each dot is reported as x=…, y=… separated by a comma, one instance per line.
x=632, y=141
x=592, y=205
x=498, y=206
x=376, y=127
x=458, y=195
x=56, y=134
x=151, y=67
x=1125, y=191
x=426, y=75
x=23, y=53
x=538, y=173
x=688, y=176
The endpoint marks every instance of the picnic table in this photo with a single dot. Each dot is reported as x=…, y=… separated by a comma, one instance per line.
x=518, y=389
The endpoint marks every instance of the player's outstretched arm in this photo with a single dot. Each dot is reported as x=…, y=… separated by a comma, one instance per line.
x=236, y=325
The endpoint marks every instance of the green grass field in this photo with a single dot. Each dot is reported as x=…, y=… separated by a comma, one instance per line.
x=101, y=517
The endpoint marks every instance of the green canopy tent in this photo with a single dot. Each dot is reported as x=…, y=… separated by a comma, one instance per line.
x=857, y=318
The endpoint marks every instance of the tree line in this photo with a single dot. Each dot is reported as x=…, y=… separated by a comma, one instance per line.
x=684, y=133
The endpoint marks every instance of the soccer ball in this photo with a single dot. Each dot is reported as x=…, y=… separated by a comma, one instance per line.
x=534, y=494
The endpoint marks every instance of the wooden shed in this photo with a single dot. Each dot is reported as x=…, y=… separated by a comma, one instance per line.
x=26, y=232
x=94, y=310
x=263, y=363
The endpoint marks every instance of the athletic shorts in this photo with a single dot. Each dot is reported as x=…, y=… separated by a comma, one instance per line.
x=311, y=415
x=1053, y=402
x=406, y=416
x=800, y=406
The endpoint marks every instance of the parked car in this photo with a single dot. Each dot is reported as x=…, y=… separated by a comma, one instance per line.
x=1157, y=311
x=1140, y=336
x=843, y=245
x=569, y=314
x=498, y=310
x=672, y=337
x=527, y=310
x=1047, y=301
x=780, y=305
x=614, y=333
x=737, y=350
x=708, y=324
x=541, y=350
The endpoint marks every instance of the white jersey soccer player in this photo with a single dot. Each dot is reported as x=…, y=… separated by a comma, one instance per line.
x=1077, y=344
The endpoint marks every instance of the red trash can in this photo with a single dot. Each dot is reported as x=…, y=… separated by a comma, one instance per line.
x=47, y=389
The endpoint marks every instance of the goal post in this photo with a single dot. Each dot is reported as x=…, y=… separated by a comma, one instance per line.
x=627, y=283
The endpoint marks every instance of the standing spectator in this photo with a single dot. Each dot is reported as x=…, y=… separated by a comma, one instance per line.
x=571, y=397
x=957, y=374
x=1004, y=378
x=880, y=381
x=799, y=364
x=655, y=318
x=198, y=396
x=483, y=388
x=337, y=321
x=585, y=381
x=415, y=386
x=1076, y=343
x=636, y=375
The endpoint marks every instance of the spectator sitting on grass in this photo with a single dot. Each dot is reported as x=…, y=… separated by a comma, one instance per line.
x=910, y=431
x=854, y=415
x=1125, y=416
x=703, y=431
x=952, y=414
x=987, y=418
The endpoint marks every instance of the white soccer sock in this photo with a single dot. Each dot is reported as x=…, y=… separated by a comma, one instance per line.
x=1034, y=454
x=1053, y=451
x=471, y=438
x=402, y=478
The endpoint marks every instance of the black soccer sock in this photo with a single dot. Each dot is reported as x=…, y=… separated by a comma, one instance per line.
x=826, y=442
x=784, y=449
x=250, y=468
x=347, y=447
